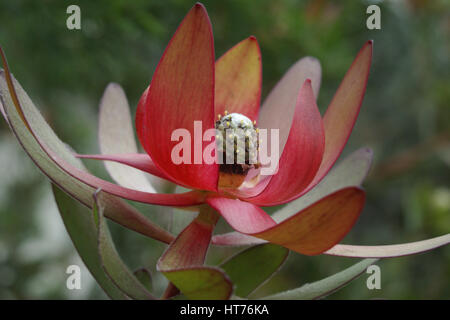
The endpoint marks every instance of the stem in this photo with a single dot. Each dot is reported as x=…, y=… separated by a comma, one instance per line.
x=189, y=248
x=170, y=291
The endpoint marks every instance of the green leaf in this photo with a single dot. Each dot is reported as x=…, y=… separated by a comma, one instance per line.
x=115, y=208
x=145, y=277
x=202, y=283
x=324, y=287
x=250, y=268
x=114, y=265
x=80, y=225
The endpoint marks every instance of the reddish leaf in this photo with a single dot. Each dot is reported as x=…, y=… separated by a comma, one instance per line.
x=116, y=136
x=301, y=156
x=141, y=161
x=181, y=92
x=311, y=231
x=238, y=80
x=343, y=110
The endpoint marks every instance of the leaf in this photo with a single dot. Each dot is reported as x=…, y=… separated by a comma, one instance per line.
x=202, y=283
x=238, y=76
x=311, y=231
x=115, y=208
x=388, y=251
x=251, y=267
x=301, y=157
x=80, y=225
x=180, y=97
x=279, y=107
x=325, y=286
x=116, y=136
x=341, y=114
x=113, y=264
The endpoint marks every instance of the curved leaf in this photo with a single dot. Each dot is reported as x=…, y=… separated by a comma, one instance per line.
x=325, y=286
x=311, y=231
x=115, y=208
x=113, y=265
x=116, y=136
x=388, y=251
x=82, y=230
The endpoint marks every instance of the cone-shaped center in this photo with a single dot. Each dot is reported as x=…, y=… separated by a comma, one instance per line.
x=237, y=145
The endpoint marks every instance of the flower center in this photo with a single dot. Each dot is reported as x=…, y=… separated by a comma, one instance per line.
x=237, y=145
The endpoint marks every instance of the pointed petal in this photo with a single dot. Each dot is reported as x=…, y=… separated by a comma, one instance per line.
x=181, y=92
x=388, y=251
x=343, y=110
x=116, y=136
x=350, y=172
x=279, y=107
x=311, y=231
x=25, y=119
x=238, y=80
x=302, y=155
x=140, y=161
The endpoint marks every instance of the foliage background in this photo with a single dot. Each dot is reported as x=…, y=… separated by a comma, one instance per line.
x=405, y=119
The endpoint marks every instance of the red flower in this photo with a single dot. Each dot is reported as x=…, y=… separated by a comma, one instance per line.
x=189, y=86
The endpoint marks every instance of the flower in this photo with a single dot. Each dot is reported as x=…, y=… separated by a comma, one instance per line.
x=189, y=86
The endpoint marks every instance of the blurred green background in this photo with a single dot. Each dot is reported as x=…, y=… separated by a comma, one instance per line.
x=405, y=119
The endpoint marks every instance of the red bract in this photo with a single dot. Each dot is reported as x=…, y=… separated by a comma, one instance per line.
x=189, y=86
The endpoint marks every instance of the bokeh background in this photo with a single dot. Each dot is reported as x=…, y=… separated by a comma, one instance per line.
x=405, y=119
